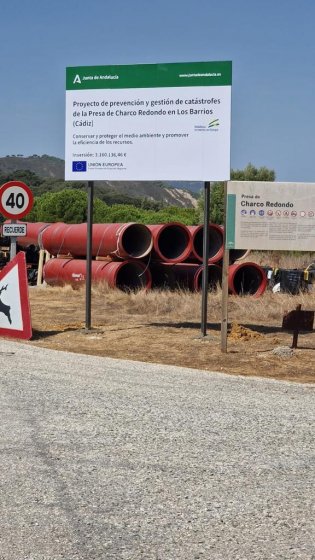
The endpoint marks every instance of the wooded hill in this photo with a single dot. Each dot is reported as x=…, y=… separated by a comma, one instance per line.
x=45, y=174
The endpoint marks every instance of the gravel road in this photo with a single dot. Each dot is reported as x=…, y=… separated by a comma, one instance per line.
x=109, y=459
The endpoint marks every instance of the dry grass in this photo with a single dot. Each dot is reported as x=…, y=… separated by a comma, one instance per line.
x=282, y=259
x=164, y=327
x=269, y=308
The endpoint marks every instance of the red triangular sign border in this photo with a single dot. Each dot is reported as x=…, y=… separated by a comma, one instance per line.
x=26, y=332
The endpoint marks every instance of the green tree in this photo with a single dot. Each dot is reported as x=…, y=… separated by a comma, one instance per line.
x=68, y=206
x=217, y=203
x=55, y=185
x=101, y=212
x=188, y=216
x=28, y=177
x=125, y=213
x=252, y=173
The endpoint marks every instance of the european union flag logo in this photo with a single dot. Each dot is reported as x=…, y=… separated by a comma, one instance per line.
x=79, y=166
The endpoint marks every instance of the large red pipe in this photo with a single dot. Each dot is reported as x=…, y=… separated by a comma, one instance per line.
x=189, y=275
x=162, y=275
x=216, y=247
x=33, y=232
x=125, y=275
x=247, y=279
x=238, y=254
x=214, y=277
x=121, y=241
x=52, y=238
x=171, y=242
x=184, y=275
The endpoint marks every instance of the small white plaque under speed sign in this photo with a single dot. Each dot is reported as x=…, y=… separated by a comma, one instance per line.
x=15, y=230
x=16, y=200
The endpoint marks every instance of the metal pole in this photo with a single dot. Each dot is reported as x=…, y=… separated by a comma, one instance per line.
x=13, y=244
x=88, y=280
x=204, y=302
x=225, y=287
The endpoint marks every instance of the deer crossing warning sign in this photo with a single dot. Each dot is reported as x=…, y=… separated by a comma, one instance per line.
x=15, y=318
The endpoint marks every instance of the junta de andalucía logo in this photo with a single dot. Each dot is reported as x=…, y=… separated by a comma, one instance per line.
x=214, y=124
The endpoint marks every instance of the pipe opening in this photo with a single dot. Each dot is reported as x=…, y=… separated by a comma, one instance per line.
x=215, y=242
x=131, y=276
x=236, y=254
x=247, y=280
x=137, y=240
x=162, y=277
x=173, y=241
x=214, y=278
x=198, y=243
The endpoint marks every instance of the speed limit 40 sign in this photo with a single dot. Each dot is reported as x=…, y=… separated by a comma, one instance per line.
x=16, y=199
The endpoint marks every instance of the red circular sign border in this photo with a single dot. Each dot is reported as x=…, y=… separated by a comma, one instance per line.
x=22, y=185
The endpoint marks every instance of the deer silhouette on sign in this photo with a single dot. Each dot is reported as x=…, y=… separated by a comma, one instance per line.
x=5, y=309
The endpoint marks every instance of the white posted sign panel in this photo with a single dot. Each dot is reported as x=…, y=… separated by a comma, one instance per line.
x=14, y=230
x=149, y=122
x=274, y=216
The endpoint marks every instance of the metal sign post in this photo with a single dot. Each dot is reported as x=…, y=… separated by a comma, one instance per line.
x=225, y=286
x=88, y=284
x=13, y=244
x=204, y=302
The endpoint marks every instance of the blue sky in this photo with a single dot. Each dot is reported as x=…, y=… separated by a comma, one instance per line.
x=271, y=44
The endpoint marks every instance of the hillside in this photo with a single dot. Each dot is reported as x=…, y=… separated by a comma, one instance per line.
x=191, y=186
x=51, y=170
x=44, y=166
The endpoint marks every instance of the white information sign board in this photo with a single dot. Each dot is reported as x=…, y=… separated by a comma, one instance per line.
x=15, y=230
x=149, y=122
x=270, y=216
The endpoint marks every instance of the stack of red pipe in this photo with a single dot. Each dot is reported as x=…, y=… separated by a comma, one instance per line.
x=139, y=256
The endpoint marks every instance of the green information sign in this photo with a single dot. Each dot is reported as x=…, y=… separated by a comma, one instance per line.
x=150, y=75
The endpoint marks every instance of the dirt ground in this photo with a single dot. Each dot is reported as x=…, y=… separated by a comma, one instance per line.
x=165, y=328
